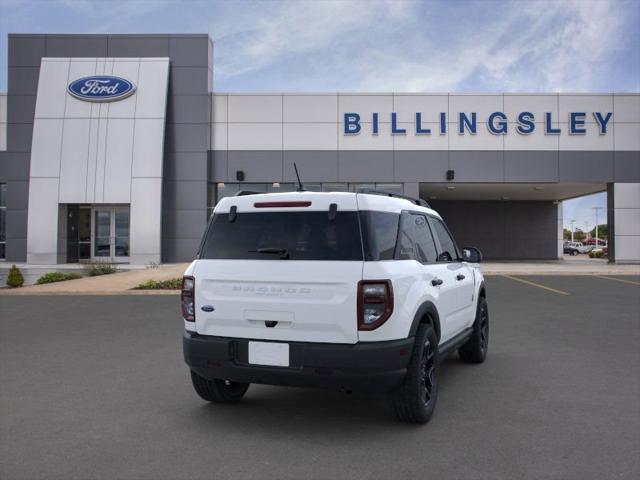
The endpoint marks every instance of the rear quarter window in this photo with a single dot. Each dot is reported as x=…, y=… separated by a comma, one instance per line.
x=265, y=235
x=379, y=234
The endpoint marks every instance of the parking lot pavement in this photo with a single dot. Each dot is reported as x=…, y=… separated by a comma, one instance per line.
x=95, y=387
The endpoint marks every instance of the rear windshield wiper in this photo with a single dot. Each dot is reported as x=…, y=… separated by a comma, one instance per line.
x=283, y=252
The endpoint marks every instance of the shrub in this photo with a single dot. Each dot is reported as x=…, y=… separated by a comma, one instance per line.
x=596, y=254
x=96, y=269
x=171, y=284
x=52, y=277
x=15, y=278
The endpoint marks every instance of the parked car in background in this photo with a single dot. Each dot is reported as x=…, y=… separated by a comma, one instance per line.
x=577, y=247
x=592, y=241
x=571, y=249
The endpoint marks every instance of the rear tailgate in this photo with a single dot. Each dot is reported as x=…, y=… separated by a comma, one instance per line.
x=309, y=300
x=281, y=267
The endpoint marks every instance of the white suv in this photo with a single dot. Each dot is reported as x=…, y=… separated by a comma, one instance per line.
x=354, y=291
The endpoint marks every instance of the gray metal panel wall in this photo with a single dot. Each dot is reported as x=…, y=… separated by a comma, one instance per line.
x=186, y=147
x=503, y=230
x=186, y=133
x=524, y=166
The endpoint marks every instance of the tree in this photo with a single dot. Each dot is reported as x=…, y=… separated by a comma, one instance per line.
x=603, y=231
x=578, y=235
x=15, y=278
x=566, y=234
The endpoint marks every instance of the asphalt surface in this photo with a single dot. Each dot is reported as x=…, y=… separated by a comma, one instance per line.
x=96, y=388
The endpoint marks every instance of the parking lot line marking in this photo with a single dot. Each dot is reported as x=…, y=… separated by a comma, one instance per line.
x=618, y=279
x=534, y=284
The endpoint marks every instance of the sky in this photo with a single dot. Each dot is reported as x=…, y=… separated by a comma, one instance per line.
x=377, y=45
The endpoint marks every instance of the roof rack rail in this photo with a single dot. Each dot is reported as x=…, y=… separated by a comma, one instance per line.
x=371, y=191
x=242, y=193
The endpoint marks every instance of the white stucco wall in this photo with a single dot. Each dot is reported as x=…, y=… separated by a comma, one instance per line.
x=315, y=121
x=98, y=153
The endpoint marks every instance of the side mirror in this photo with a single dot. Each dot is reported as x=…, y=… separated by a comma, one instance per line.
x=471, y=255
x=444, y=257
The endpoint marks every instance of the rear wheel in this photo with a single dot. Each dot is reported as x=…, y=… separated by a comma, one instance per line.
x=218, y=391
x=415, y=400
x=475, y=349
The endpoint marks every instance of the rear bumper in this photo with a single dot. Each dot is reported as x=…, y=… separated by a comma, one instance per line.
x=369, y=367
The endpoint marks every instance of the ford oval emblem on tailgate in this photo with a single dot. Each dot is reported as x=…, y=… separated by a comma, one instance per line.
x=207, y=308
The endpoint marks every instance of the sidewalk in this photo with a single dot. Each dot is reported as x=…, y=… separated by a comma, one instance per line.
x=123, y=282
x=580, y=265
x=113, y=284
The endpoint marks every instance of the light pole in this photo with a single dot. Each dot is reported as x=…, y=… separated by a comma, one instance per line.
x=596, y=209
x=572, y=222
x=586, y=231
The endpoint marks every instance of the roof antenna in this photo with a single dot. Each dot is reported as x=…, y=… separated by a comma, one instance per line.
x=300, y=186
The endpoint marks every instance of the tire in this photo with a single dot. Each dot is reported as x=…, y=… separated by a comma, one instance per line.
x=415, y=400
x=218, y=391
x=475, y=349
x=574, y=253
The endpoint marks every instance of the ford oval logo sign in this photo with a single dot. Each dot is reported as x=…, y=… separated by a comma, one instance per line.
x=101, y=88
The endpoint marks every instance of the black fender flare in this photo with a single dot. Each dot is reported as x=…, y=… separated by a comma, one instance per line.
x=426, y=309
x=482, y=291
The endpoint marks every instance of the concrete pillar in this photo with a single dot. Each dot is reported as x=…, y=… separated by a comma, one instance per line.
x=560, y=236
x=623, y=208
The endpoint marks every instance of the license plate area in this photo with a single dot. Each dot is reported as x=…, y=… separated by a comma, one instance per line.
x=269, y=353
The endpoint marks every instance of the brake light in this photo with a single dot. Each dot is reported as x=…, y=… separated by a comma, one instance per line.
x=375, y=303
x=281, y=204
x=187, y=298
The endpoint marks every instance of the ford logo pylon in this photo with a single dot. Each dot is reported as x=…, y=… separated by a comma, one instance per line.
x=101, y=88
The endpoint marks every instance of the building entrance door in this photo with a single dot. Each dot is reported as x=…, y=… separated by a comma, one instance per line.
x=110, y=234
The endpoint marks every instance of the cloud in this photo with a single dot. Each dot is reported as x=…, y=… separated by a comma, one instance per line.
x=273, y=34
x=376, y=45
x=407, y=46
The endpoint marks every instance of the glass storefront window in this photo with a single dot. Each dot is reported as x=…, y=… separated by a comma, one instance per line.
x=102, y=247
x=226, y=190
x=121, y=224
x=217, y=191
x=312, y=187
x=3, y=235
x=84, y=233
x=281, y=187
x=390, y=187
x=335, y=187
x=3, y=217
x=354, y=187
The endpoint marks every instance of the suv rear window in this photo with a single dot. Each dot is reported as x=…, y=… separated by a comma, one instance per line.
x=278, y=235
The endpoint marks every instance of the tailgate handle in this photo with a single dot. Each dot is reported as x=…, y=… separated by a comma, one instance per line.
x=270, y=323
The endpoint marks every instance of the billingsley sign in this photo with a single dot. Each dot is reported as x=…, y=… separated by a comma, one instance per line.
x=101, y=88
x=497, y=123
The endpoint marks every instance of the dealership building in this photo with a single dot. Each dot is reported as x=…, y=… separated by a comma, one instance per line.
x=117, y=147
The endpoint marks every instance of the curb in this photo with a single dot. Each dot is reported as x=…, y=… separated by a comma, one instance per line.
x=97, y=293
